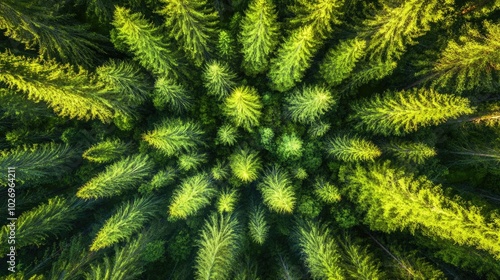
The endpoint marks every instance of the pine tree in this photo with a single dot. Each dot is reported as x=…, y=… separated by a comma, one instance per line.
x=173, y=136
x=225, y=46
x=220, y=171
x=218, y=79
x=257, y=225
x=259, y=35
x=318, y=129
x=191, y=23
x=169, y=93
x=352, y=148
x=395, y=200
x=368, y=72
x=218, y=245
x=309, y=104
x=243, y=107
x=117, y=178
x=227, y=201
x=146, y=42
x=227, y=135
x=193, y=194
x=72, y=256
x=326, y=191
x=340, y=61
x=319, y=14
x=293, y=59
x=106, y=151
x=412, y=152
x=360, y=264
x=398, y=113
x=319, y=251
x=161, y=179
x=290, y=147
x=277, y=190
x=127, y=220
x=245, y=165
x=191, y=161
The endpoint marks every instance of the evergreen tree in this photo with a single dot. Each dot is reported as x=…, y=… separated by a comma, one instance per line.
x=326, y=191
x=394, y=200
x=319, y=251
x=117, y=178
x=173, y=136
x=193, y=194
x=168, y=93
x=412, y=152
x=227, y=201
x=307, y=105
x=245, y=165
x=360, y=264
x=398, y=113
x=218, y=79
x=146, y=42
x=218, y=245
x=290, y=147
x=293, y=59
x=259, y=35
x=371, y=71
x=352, y=149
x=191, y=161
x=127, y=220
x=257, y=225
x=72, y=256
x=106, y=151
x=220, y=171
x=160, y=180
x=319, y=14
x=227, y=135
x=225, y=46
x=340, y=61
x=191, y=23
x=277, y=190
x=243, y=107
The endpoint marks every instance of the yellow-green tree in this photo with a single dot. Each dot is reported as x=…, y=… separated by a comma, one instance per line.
x=352, y=148
x=277, y=190
x=245, y=165
x=193, y=194
x=319, y=14
x=310, y=103
x=243, y=107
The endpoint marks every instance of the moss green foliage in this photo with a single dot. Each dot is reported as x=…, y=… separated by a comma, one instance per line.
x=227, y=134
x=326, y=191
x=170, y=94
x=218, y=79
x=243, y=107
x=193, y=194
x=352, y=148
x=257, y=225
x=277, y=190
x=319, y=14
x=220, y=171
x=106, y=151
x=245, y=165
x=290, y=146
x=191, y=161
x=360, y=263
x=309, y=104
x=218, y=247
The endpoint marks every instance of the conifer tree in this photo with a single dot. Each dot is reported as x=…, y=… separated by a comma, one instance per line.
x=146, y=42
x=398, y=113
x=352, y=148
x=127, y=220
x=277, y=190
x=326, y=191
x=307, y=105
x=360, y=264
x=340, y=61
x=218, y=79
x=259, y=35
x=191, y=161
x=169, y=93
x=173, y=136
x=412, y=152
x=371, y=71
x=318, y=129
x=193, y=194
x=245, y=164
x=319, y=251
x=192, y=24
x=257, y=225
x=220, y=171
x=106, y=151
x=290, y=146
x=225, y=46
x=117, y=178
x=293, y=58
x=227, y=201
x=161, y=179
x=218, y=245
x=395, y=200
x=243, y=107
x=319, y=14
x=72, y=256
x=227, y=135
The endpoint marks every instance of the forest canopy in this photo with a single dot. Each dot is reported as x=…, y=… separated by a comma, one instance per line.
x=250, y=139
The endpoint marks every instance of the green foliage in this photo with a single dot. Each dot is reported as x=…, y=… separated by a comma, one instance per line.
x=319, y=251
x=318, y=129
x=416, y=152
x=191, y=161
x=277, y=190
x=145, y=41
x=180, y=247
x=266, y=137
x=360, y=263
x=308, y=207
x=227, y=201
x=168, y=93
x=259, y=35
x=220, y=171
x=127, y=220
x=117, y=178
x=173, y=136
x=161, y=179
x=245, y=165
x=257, y=225
x=191, y=23
x=398, y=113
x=352, y=148
x=193, y=194
x=309, y=104
x=326, y=191
x=340, y=61
x=293, y=59
x=243, y=107
x=290, y=147
x=319, y=14
x=106, y=151
x=227, y=134
x=218, y=245
x=218, y=79
x=225, y=45
x=72, y=256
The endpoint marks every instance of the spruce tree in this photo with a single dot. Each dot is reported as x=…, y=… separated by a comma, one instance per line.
x=277, y=190
x=170, y=94
x=106, y=151
x=416, y=152
x=227, y=201
x=257, y=225
x=259, y=35
x=360, y=264
x=243, y=107
x=245, y=164
x=193, y=194
x=340, y=61
x=352, y=148
x=218, y=79
x=307, y=105
x=227, y=135
x=319, y=14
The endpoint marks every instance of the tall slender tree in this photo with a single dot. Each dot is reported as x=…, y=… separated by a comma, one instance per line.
x=193, y=194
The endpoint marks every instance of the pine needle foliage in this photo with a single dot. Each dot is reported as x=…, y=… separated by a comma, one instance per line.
x=340, y=61
x=193, y=194
x=227, y=201
x=174, y=136
x=106, y=151
x=191, y=161
x=245, y=165
x=160, y=180
x=128, y=219
x=117, y=178
x=326, y=191
x=170, y=94
x=146, y=42
x=319, y=14
x=218, y=247
x=290, y=147
x=399, y=113
x=192, y=24
x=72, y=256
x=310, y=103
x=277, y=190
x=227, y=135
x=352, y=148
x=319, y=250
x=243, y=107
x=220, y=171
x=413, y=152
x=218, y=79
x=359, y=262
x=259, y=35
x=257, y=225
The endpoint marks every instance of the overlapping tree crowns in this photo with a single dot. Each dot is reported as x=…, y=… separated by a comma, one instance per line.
x=310, y=103
x=106, y=151
x=277, y=191
x=193, y=194
x=218, y=79
x=243, y=107
x=359, y=262
x=174, y=136
x=117, y=178
x=399, y=113
x=245, y=164
x=352, y=148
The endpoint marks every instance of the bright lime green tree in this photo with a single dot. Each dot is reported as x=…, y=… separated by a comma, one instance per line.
x=259, y=35
x=326, y=191
x=218, y=79
x=193, y=194
x=277, y=190
x=340, y=61
x=245, y=165
x=319, y=14
x=352, y=148
x=310, y=103
x=290, y=146
x=106, y=151
x=226, y=201
x=398, y=113
x=227, y=135
x=414, y=152
x=361, y=264
x=243, y=107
